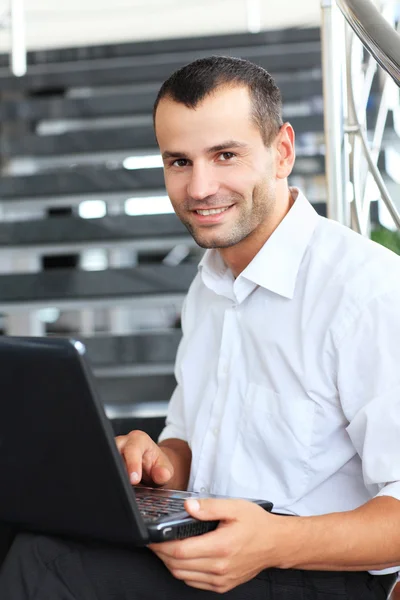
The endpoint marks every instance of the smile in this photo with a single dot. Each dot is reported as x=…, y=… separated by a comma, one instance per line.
x=212, y=211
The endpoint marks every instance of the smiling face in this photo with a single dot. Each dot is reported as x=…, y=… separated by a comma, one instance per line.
x=220, y=177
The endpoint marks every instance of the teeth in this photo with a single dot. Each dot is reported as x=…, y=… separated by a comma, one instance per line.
x=212, y=211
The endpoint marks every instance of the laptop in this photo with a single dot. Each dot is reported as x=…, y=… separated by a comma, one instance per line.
x=61, y=472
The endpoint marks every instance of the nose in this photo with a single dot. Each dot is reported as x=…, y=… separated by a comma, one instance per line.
x=202, y=182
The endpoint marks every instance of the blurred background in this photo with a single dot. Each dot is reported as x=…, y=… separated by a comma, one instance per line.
x=89, y=245
x=87, y=22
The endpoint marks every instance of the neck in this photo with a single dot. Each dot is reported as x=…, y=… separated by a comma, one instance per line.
x=240, y=255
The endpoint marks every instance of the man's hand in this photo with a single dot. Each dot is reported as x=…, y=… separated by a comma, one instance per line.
x=145, y=461
x=241, y=546
x=249, y=539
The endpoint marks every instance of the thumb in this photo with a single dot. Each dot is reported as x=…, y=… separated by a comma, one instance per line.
x=212, y=509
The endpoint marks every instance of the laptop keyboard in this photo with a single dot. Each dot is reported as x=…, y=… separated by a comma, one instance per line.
x=153, y=508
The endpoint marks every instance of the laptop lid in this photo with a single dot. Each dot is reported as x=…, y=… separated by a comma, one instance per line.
x=52, y=423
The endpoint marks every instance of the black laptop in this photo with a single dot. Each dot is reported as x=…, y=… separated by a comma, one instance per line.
x=60, y=470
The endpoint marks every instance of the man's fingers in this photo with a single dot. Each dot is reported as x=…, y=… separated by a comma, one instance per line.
x=143, y=457
x=203, y=586
x=214, y=509
x=195, y=576
x=209, y=566
x=201, y=580
x=133, y=447
x=161, y=473
x=120, y=440
x=205, y=546
x=133, y=458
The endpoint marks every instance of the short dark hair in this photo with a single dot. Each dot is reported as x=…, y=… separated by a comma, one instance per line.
x=190, y=84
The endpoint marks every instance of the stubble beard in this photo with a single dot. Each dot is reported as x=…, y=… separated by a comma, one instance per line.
x=247, y=220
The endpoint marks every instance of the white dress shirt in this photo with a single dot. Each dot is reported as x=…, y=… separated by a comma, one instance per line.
x=289, y=375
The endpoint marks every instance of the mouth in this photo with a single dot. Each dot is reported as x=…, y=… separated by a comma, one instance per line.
x=211, y=216
x=211, y=211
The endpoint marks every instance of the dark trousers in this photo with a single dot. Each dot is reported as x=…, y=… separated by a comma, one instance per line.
x=48, y=568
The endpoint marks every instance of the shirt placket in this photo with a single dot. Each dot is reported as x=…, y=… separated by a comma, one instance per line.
x=212, y=439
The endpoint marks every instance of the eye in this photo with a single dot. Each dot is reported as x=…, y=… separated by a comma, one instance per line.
x=180, y=162
x=224, y=156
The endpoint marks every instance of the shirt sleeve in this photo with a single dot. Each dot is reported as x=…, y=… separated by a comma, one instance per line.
x=369, y=390
x=175, y=426
x=175, y=423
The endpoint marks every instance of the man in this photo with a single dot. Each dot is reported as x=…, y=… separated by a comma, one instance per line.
x=288, y=379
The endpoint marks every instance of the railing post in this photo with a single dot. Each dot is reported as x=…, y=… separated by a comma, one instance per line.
x=333, y=65
x=18, y=43
x=253, y=9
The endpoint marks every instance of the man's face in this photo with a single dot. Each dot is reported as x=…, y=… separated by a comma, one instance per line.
x=219, y=175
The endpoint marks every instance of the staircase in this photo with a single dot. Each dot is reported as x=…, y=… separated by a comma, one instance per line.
x=118, y=282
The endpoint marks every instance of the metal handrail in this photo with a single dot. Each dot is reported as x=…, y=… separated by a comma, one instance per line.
x=377, y=35
x=348, y=151
x=370, y=156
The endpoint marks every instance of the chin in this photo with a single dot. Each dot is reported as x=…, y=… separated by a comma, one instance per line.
x=213, y=240
x=214, y=243
x=206, y=244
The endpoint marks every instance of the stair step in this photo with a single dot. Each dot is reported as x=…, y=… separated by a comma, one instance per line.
x=59, y=55
x=130, y=102
x=75, y=231
x=74, y=289
x=151, y=68
x=145, y=350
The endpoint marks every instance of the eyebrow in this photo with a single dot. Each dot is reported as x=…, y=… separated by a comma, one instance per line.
x=211, y=150
x=225, y=145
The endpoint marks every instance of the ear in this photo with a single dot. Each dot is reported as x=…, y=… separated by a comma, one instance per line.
x=285, y=152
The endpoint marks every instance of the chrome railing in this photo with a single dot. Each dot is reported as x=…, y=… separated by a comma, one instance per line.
x=376, y=34
x=352, y=150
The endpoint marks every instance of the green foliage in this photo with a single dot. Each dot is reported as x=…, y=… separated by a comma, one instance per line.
x=390, y=239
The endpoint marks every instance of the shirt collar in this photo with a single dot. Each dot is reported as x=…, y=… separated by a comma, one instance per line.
x=277, y=264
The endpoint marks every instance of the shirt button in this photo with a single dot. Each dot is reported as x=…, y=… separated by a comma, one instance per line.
x=215, y=431
x=203, y=490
